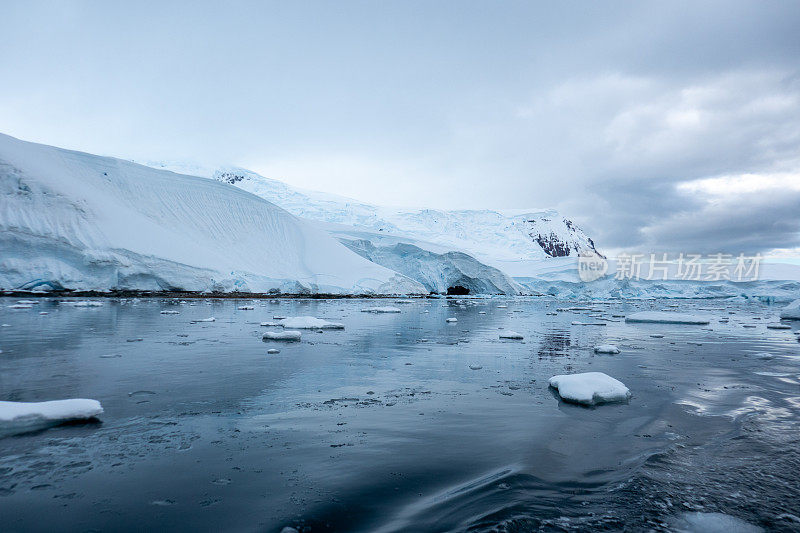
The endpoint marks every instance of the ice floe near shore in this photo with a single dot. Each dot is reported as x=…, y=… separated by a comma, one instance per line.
x=308, y=322
x=590, y=388
x=606, y=348
x=286, y=335
x=385, y=309
x=19, y=417
x=666, y=317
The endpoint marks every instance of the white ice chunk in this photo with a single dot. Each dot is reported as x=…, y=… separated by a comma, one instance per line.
x=85, y=303
x=168, y=312
x=779, y=326
x=791, y=311
x=590, y=388
x=20, y=306
x=245, y=308
x=385, y=309
x=309, y=322
x=576, y=323
x=271, y=324
x=28, y=302
x=451, y=319
x=606, y=348
x=712, y=523
x=19, y=417
x=511, y=335
x=662, y=317
x=209, y=319
x=273, y=351
x=287, y=335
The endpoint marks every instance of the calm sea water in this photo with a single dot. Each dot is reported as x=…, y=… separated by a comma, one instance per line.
x=400, y=422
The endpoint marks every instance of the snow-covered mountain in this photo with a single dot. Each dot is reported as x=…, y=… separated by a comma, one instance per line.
x=512, y=241
x=79, y=221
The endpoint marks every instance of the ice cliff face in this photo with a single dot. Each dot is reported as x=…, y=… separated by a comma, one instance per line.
x=450, y=272
x=77, y=221
x=506, y=240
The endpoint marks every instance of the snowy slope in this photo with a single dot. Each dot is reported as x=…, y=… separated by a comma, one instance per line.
x=74, y=220
x=511, y=241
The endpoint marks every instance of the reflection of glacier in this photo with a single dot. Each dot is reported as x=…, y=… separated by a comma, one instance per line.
x=437, y=272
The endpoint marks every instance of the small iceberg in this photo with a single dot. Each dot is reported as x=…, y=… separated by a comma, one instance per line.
x=511, y=335
x=287, y=335
x=386, y=309
x=308, y=322
x=21, y=417
x=209, y=319
x=590, y=388
x=790, y=312
x=273, y=351
x=245, y=308
x=666, y=317
x=606, y=348
x=85, y=303
x=451, y=319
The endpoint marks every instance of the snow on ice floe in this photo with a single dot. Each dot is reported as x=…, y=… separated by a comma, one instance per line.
x=28, y=302
x=209, y=319
x=606, y=348
x=20, y=306
x=271, y=324
x=83, y=303
x=590, y=388
x=309, y=322
x=712, y=523
x=385, y=309
x=666, y=317
x=791, y=311
x=577, y=323
x=168, y=312
x=19, y=417
x=286, y=335
x=273, y=351
x=511, y=335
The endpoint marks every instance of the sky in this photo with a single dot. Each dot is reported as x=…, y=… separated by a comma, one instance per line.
x=656, y=126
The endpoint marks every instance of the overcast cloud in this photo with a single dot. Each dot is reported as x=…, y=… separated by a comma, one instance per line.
x=657, y=126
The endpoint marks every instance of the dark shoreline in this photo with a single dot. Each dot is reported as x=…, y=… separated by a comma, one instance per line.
x=209, y=295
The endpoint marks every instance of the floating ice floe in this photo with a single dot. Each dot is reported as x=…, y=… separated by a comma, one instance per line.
x=85, y=303
x=511, y=335
x=576, y=323
x=287, y=335
x=451, y=319
x=271, y=324
x=20, y=306
x=779, y=326
x=170, y=312
x=27, y=302
x=20, y=417
x=662, y=317
x=309, y=322
x=209, y=319
x=272, y=351
x=475, y=367
x=791, y=311
x=606, y=348
x=245, y=308
x=590, y=388
x=502, y=306
x=712, y=523
x=385, y=309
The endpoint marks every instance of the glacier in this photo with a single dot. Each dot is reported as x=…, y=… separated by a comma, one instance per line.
x=513, y=241
x=71, y=220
